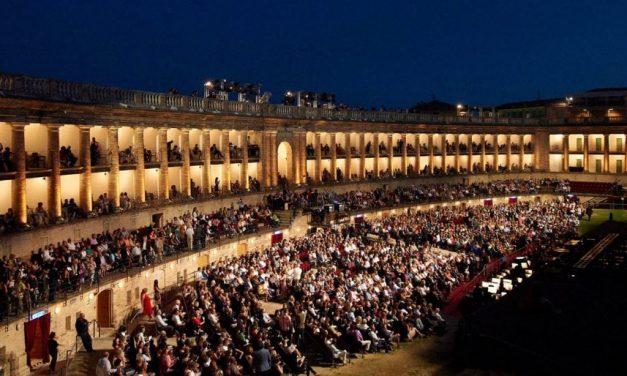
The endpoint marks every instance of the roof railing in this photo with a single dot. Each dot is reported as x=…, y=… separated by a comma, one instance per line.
x=21, y=86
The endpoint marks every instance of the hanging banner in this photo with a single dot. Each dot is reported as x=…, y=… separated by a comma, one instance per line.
x=487, y=202
x=277, y=236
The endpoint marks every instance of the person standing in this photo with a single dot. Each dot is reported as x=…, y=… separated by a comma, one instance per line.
x=189, y=234
x=82, y=329
x=156, y=293
x=146, y=303
x=53, y=351
x=262, y=360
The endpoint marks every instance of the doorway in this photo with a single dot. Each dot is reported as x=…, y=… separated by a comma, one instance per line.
x=157, y=219
x=103, y=312
x=284, y=161
x=36, y=332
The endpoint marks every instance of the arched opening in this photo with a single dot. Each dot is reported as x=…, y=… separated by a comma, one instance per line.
x=103, y=312
x=284, y=161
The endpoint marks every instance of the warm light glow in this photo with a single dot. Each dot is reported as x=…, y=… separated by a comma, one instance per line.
x=90, y=296
x=57, y=309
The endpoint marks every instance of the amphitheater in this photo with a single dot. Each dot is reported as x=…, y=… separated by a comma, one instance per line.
x=152, y=156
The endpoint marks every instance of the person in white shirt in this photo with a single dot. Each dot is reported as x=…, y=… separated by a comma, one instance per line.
x=103, y=368
x=189, y=233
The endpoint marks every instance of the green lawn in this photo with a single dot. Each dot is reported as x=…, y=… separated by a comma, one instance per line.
x=598, y=217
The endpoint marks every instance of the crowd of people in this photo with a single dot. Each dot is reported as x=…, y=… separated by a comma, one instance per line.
x=70, y=264
x=360, y=288
x=314, y=200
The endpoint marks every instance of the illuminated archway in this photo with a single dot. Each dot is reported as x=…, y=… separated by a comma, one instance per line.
x=285, y=162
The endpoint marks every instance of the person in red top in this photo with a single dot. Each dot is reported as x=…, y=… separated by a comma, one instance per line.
x=146, y=303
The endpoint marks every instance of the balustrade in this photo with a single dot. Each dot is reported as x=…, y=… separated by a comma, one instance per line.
x=33, y=87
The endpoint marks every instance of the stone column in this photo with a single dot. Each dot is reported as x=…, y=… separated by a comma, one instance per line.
x=318, y=154
x=164, y=181
x=140, y=172
x=565, y=151
x=244, y=167
x=266, y=165
x=362, y=155
x=375, y=144
x=417, y=150
x=606, y=153
x=303, y=157
x=443, y=153
x=541, y=150
x=521, y=158
x=430, y=149
x=625, y=154
x=226, y=162
x=54, y=182
x=114, y=168
x=186, y=189
x=348, y=157
x=273, y=149
x=457, y=164
x=333, y=157
x=586, y=159
x=19, y=183
x=508, y=149
x=391, y=154
x=404, y=155
x=295, y=159
x=86, y=199
x=206, y=161
x=469, y=148
x=496, y=152
x=482, y=160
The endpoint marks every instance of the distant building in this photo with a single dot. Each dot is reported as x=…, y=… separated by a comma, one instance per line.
x=599, y=103
x=538, y=109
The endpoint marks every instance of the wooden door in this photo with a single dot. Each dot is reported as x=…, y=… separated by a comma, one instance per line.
x=104, y=309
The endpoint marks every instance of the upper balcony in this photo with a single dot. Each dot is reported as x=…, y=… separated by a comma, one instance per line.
x=20, y=86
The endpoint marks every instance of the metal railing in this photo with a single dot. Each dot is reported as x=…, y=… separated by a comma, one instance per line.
x=21, y=86
x=69, y=353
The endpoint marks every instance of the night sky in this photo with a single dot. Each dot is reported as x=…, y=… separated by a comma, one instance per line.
x=383, y=53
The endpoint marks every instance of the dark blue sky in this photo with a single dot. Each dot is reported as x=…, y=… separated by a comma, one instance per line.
x=369, y=53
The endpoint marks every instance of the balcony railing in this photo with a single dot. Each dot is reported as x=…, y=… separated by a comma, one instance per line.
x=20, y=86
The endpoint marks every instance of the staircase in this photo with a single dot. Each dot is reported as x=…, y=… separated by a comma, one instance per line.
x=595, y=201
x=285, y=217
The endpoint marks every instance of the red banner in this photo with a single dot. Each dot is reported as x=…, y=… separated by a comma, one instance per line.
x=487, y=202
x=277, y=236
